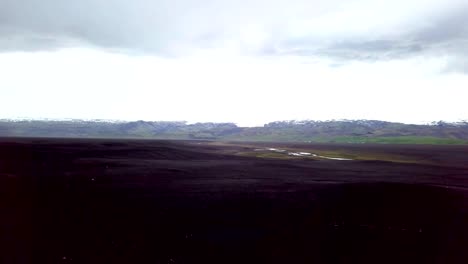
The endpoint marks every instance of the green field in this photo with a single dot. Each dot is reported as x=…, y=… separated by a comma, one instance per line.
x=392, y=140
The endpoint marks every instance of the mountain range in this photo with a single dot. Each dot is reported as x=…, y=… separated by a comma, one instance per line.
x=339, y=131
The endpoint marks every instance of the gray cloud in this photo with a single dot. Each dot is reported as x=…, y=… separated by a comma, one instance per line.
x=173, y=27
x=147, y=26
x=135, y=25
x=446, y=27
x=444, y=34
x=365, y=50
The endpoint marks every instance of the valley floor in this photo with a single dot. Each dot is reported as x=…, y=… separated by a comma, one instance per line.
x=149, y=201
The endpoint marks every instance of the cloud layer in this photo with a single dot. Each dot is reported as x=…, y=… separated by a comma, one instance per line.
x=338, y=29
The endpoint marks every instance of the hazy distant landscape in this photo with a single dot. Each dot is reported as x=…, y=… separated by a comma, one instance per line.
x=344, y=131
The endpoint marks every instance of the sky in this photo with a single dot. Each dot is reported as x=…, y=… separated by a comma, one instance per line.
x=247, y=61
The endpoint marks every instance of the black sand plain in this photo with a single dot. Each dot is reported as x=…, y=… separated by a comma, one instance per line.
x=148, y=201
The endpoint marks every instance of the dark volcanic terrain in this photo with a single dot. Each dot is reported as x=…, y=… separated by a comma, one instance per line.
x=143, y=201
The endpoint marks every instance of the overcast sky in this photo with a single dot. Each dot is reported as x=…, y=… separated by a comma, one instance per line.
x=244, y=61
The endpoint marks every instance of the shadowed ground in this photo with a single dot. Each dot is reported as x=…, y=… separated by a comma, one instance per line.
x=136, y=201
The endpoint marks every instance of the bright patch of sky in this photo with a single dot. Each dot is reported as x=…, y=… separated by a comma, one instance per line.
x=248, y=62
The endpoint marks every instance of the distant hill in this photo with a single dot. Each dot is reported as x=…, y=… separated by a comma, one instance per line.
x=343, y=131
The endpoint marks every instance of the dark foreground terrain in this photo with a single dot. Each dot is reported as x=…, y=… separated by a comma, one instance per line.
x=111, y=201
